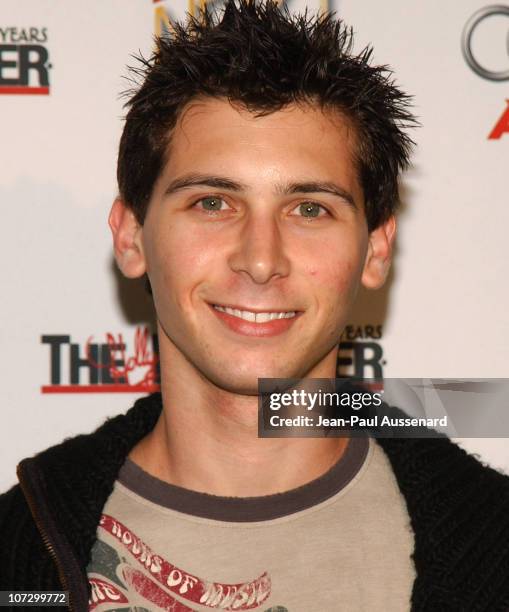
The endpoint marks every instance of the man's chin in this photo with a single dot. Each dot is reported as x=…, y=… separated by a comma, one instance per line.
x=245, y=385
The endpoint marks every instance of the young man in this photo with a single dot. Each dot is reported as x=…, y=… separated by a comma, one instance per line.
x=258, y=180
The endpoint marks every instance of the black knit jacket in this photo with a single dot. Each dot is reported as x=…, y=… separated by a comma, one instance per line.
x=459, y=512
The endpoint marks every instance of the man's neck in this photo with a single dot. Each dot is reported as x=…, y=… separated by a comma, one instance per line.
x=206, y=440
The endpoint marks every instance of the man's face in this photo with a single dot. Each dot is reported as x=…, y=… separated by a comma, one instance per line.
x=261, y=215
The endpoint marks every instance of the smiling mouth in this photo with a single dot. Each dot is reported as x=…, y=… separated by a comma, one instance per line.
x=256, y=316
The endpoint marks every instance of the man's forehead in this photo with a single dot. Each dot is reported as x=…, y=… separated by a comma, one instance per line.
x=299, y=133
x=293, y=115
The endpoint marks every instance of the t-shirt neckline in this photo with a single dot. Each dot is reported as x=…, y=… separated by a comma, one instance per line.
x=247, y=509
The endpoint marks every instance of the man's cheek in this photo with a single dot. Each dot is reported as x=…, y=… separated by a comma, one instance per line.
x=335, y=276
x=182, y=260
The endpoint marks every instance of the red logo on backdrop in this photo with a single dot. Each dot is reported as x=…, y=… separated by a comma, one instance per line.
x=24, y=61
x=502, y=125
x=111, y=366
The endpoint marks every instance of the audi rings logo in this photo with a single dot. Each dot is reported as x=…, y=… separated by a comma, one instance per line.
x=466, y=42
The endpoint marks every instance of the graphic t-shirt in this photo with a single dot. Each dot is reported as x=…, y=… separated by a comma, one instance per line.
x=341, y=542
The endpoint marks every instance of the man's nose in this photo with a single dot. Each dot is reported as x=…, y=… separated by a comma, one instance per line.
x=260, y=249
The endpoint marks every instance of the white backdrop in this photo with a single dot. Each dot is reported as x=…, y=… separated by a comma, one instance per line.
x=443, y=313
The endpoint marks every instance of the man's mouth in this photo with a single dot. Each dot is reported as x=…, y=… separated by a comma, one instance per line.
x=261, y=322
x=256, y=316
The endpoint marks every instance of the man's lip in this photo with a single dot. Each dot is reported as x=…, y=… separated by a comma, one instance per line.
x=251, y=309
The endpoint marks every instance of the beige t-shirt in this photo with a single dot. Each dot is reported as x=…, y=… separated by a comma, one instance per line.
x=339, y=543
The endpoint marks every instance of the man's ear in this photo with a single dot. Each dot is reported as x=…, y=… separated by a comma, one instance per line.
x=127, y=243
x=378, y=257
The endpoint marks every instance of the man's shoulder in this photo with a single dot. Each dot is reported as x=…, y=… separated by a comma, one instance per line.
x=80, y=458
x=71, y=481
x=428, y=454
x=431, y=463
x=451, y=495
x=108, y=443
x=459, y=512
x=14, y=511
x=12, y=503
x=437, y=466
x=18, y=535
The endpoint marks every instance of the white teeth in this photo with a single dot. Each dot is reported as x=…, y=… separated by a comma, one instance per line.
x=255, y=317
x=248, y=316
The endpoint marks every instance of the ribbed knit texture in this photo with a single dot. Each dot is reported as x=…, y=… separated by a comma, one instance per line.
x=459, y=511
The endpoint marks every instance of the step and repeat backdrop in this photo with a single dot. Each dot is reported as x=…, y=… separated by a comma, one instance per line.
x=77, y=341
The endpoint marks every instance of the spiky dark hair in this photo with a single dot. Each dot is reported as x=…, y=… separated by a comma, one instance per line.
x=262, y=57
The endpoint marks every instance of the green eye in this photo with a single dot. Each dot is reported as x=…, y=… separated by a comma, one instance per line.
x=309, y=209
x=211, y=203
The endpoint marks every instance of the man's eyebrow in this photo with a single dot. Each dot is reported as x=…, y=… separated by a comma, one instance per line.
x=222, y=182
x=320, y=187
x=203, y=180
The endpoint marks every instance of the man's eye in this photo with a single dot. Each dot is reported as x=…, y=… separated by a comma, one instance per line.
x=309, y=210
x=211, y=203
